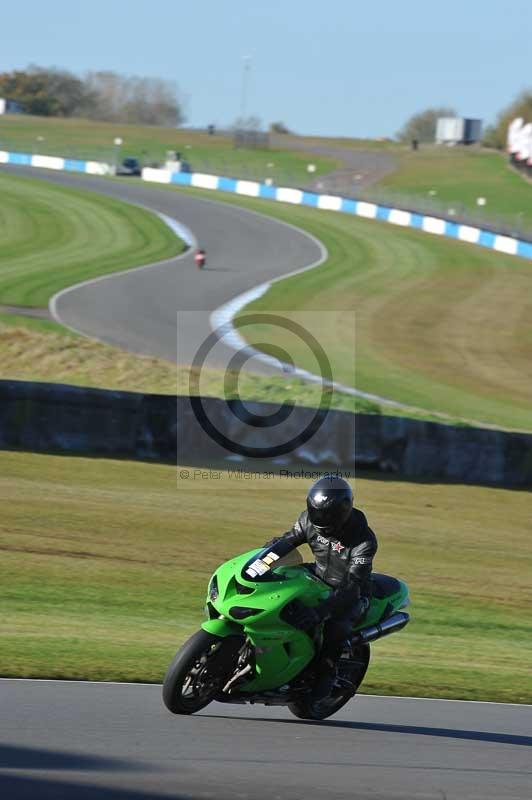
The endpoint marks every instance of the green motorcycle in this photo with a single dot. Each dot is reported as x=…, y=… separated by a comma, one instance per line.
x=247, y=651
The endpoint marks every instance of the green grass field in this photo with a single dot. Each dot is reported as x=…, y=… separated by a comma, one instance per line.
x=459, y=176
x=78, y=138
x=105, y=566
x=429, y=331
x=53, y=237
x=426, y=312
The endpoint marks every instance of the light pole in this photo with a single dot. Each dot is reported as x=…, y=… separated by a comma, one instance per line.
x=246, y=66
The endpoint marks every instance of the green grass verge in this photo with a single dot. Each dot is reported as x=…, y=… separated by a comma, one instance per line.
x=105, y=566
x=53, y=237
x=85, y=139
x=458, y=176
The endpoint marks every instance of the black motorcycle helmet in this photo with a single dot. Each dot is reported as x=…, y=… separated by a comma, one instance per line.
x=329, y=504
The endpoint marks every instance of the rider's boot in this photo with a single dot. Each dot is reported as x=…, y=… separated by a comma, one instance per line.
x=326, y=678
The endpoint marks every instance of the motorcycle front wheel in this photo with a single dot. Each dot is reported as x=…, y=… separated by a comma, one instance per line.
x=198, y=672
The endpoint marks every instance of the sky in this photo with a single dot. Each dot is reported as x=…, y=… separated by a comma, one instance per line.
x=335, y=67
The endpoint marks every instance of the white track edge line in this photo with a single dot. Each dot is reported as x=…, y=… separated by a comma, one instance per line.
x=378, y=696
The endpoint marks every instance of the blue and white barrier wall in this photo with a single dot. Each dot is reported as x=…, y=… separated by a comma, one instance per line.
x=395, y=216
x=56, y=162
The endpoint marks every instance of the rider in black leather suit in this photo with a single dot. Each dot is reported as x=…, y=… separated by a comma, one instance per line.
x=343, y=546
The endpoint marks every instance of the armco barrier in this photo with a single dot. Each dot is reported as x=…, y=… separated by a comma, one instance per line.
x=42, y=417
x=395, y=216
x=56, y=162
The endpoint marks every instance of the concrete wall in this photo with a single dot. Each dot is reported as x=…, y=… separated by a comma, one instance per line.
x=43, y=417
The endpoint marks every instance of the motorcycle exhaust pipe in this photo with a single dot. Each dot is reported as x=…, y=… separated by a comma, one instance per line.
x=384, y=628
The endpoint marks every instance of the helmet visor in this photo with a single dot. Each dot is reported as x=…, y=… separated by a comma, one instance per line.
x=323, y=518
x=329, y=518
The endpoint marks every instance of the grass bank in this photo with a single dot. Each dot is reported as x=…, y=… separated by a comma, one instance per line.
x=36, y=350
x=86, y=139
x=53, y=237
x=106, y=564
x=429, y=327
x=458, y=176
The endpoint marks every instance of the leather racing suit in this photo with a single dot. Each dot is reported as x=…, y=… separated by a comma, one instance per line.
x=344, y=562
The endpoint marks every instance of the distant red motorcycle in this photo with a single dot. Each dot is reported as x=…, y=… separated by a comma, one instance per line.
x=200, y=258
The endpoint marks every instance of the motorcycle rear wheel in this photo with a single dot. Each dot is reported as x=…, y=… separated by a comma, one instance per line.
x=198, y=671
x=306, y=708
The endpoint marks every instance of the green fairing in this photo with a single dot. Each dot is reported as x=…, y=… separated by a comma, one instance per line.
x=380, y=605
x=222, y=627
x=282, y=651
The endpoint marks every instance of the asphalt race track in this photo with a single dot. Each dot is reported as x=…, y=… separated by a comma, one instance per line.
x=89, y=740
x=137, y=310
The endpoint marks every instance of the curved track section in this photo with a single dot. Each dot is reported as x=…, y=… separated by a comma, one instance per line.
x=89, y=740
x=136, y=310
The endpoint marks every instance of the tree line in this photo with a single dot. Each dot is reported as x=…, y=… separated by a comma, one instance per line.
x=112, y=97
x=495, y=135
x=103, y=95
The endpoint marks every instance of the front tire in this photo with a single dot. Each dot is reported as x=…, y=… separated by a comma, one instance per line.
x=198, y=671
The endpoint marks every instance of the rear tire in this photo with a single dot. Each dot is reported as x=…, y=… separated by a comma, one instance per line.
x=199, y=670
x=306, y=708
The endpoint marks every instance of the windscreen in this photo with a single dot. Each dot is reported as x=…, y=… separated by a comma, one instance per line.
x=263, y=566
